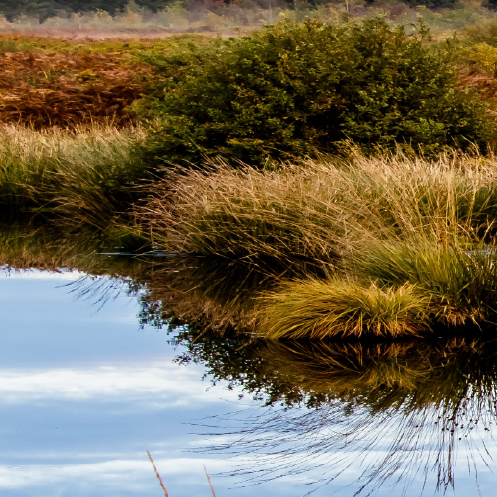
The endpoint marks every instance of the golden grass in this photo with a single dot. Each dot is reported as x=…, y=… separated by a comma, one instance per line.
x=461, y=281
x=324, y=309
x=407, y=237
x=240, y=213
x=318, y=209
x=81, y=174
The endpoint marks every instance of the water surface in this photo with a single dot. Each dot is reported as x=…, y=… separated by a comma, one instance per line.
x=118, y=356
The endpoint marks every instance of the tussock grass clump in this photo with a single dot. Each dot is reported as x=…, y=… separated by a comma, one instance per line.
x=323, y=309
x=462, y=281
x=388, y=224
x=245, y=213
x=81, y=174
x=318, y=209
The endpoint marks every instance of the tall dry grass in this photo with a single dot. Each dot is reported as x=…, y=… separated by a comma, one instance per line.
x=81, y=174
x=321, y=209
x=394, y=229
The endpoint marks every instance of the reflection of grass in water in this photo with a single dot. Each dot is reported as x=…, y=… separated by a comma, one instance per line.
x=429, y=395
x=179, y=289
x=24, y=247
x=419, y=371
x=412, y=404
x=386, y=374
x=49, y=247
x=214, y=294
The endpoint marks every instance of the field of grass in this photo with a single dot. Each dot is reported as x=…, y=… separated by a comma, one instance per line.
x=58, y=80
x=48, y=82
x=84, y=175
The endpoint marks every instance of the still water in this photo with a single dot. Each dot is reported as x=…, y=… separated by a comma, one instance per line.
x=96, y=370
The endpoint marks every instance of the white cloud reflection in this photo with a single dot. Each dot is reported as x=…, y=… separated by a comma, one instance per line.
x=132, y=472
x=39, y=274
x=169, y=384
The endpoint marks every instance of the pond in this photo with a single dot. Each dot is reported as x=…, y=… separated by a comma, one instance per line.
x=106, y=356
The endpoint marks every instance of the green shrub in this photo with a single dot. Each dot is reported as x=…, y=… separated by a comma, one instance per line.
x=293, y=88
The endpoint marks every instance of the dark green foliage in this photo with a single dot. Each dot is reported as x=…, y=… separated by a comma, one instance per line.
x=42, y=9
x=292, y=88
x=433, y=4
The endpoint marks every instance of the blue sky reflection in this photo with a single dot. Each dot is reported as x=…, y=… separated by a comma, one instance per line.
x=84, y=395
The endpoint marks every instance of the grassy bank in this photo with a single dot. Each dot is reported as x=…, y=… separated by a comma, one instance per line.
x=84, y=175
x=391, y=236
x=406, y=242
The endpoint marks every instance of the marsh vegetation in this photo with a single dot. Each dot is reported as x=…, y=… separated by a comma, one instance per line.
x=419, y=405
x=308, y=210
x=353, y=161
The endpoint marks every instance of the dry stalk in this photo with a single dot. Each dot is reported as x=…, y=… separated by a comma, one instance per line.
x=157, y=474
x=209, y=480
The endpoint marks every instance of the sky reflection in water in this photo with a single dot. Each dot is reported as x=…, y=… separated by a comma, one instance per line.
x=84, y=393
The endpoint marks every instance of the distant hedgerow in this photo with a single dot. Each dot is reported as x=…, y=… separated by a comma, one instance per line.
x=290, y=89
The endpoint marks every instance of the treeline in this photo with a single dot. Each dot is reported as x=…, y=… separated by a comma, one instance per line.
x=44, y=9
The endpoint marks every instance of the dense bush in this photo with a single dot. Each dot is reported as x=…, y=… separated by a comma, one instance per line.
x=292, y=88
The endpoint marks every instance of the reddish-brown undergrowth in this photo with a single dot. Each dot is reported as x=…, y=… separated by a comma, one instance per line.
x=66, y=88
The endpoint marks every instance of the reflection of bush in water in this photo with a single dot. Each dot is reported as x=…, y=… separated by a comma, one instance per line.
x=411, y=404
x=382, y=375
